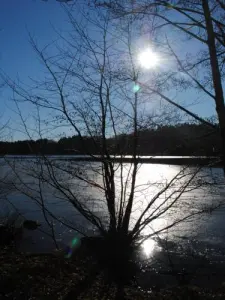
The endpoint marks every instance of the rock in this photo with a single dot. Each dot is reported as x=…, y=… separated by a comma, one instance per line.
x=31, y=225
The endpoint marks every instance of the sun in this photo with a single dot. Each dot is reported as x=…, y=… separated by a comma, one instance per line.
x=148, y=59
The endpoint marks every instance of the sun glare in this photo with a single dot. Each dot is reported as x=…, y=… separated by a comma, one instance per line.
x=148, y=247
x=148, y=59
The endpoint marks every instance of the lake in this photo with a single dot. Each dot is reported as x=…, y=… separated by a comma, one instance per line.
x=207, y=188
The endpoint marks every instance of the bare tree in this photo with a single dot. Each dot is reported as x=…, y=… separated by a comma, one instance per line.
x=202, y=21
x=90, y=88
x=4, y=134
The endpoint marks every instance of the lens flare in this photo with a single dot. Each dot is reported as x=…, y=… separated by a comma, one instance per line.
x=73, y=245
x=136, y=88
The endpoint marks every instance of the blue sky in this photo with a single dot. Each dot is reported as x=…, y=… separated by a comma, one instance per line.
x=17, y=59
x=16, y=19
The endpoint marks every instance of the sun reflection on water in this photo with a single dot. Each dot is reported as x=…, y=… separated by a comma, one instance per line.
x=148, y=247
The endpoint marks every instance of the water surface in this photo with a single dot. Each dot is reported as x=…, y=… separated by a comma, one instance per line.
x=206, y=189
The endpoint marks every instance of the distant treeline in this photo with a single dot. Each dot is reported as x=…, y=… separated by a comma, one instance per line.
x=182, y=139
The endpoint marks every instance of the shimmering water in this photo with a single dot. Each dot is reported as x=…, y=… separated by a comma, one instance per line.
x=25, y=189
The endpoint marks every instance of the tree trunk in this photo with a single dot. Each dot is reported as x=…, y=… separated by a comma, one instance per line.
x=216, y=76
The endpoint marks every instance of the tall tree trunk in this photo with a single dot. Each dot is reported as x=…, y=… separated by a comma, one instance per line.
x=216, y=76
x=126, y=220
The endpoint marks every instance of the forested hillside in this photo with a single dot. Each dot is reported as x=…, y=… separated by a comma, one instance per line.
x=182, y=139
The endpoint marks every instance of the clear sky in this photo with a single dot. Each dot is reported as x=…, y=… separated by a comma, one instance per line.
x=17, y=18
x=17, y=59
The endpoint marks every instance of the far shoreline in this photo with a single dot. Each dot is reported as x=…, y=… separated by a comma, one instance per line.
x=213, y=161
